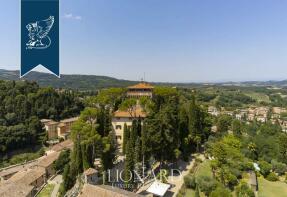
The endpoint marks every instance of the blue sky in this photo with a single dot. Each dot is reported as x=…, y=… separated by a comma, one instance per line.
x=168, y=40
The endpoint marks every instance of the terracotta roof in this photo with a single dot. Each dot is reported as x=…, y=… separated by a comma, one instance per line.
x=90, y=171
x=105, y=191
x=28, y=176
x=20, y=183
x=51, y=123
x=9, y=189
x=49, y=159
x=125, y=114
x=141, y=86
x=67, y=144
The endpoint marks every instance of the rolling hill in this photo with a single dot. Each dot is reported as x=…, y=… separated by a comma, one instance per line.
x=77, y=82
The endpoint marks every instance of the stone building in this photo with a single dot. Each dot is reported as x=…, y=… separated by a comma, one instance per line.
x=140, y=90
x=121, y=118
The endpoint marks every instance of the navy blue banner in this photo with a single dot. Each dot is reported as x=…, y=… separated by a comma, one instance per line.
x=40, y=35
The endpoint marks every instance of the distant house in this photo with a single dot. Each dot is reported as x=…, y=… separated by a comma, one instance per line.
x=278, y=110
x=283, y=125
x=91, y=176
x=213, y=111
x=261, y=119
x=58, y=129
x=105, y=191
x=239, y=116
x=64, y=127
x=120, y=118
x=251, y=117
x=140, y=90
x=51, y=128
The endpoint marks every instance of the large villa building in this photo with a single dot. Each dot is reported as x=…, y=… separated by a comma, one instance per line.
x=120, y=118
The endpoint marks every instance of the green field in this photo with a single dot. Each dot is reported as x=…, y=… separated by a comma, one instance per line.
x=259, y=97
x=189, y=193
x=47, y=191
x=271, y=189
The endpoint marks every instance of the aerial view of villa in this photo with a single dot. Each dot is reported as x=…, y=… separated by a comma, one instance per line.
x=146, y=98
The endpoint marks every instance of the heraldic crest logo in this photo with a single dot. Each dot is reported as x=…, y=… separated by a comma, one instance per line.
x=38, y=34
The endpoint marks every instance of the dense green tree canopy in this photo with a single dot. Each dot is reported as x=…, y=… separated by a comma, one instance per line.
x=23, y=104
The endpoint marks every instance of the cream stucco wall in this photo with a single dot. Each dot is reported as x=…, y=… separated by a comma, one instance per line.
x=118, y=128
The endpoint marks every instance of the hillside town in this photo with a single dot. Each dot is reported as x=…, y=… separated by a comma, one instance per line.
x=261, y=114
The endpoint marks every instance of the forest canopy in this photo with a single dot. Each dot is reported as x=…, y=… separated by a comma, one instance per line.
x=23, y=104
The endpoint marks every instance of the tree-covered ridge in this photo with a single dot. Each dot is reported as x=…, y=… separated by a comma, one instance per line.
x=23, y=104
x=75, y=82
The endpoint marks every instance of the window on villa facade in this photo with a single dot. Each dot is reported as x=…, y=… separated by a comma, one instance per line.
x=118, y=127
x=118, y=137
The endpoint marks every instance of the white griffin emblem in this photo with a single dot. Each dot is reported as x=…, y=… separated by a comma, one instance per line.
x=38, y=34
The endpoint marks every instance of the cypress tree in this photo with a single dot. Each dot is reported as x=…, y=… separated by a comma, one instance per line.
x=107, y=121
x=133, y=133
x=144, y=148
x=129, y=164
x=126, y=138
x=137, y=151
x=109, y=152
x=77, y=156
x=195, y=123
x=84, y=148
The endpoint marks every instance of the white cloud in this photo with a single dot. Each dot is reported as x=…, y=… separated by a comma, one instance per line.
x=71, y=16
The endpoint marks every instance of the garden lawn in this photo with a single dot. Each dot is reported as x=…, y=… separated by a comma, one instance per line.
x=47, y=191
x=271, y=189
x=189, y=193
x=204, y=169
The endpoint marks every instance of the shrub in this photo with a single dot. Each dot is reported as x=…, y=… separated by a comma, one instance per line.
x=265, y=168
x=272, y=177
x=243, y=190
x=206, y=184
x=189, y=181
x=232, y=180
x=221, y=192
x=278, y=167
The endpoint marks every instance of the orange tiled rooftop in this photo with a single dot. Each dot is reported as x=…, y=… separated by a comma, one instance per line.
x=141, y=86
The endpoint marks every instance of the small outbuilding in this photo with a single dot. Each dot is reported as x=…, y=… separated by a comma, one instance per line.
x=91, y=176
x=158, y=188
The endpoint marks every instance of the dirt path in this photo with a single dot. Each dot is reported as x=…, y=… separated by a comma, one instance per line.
x=57, y=181
x=177, y=181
